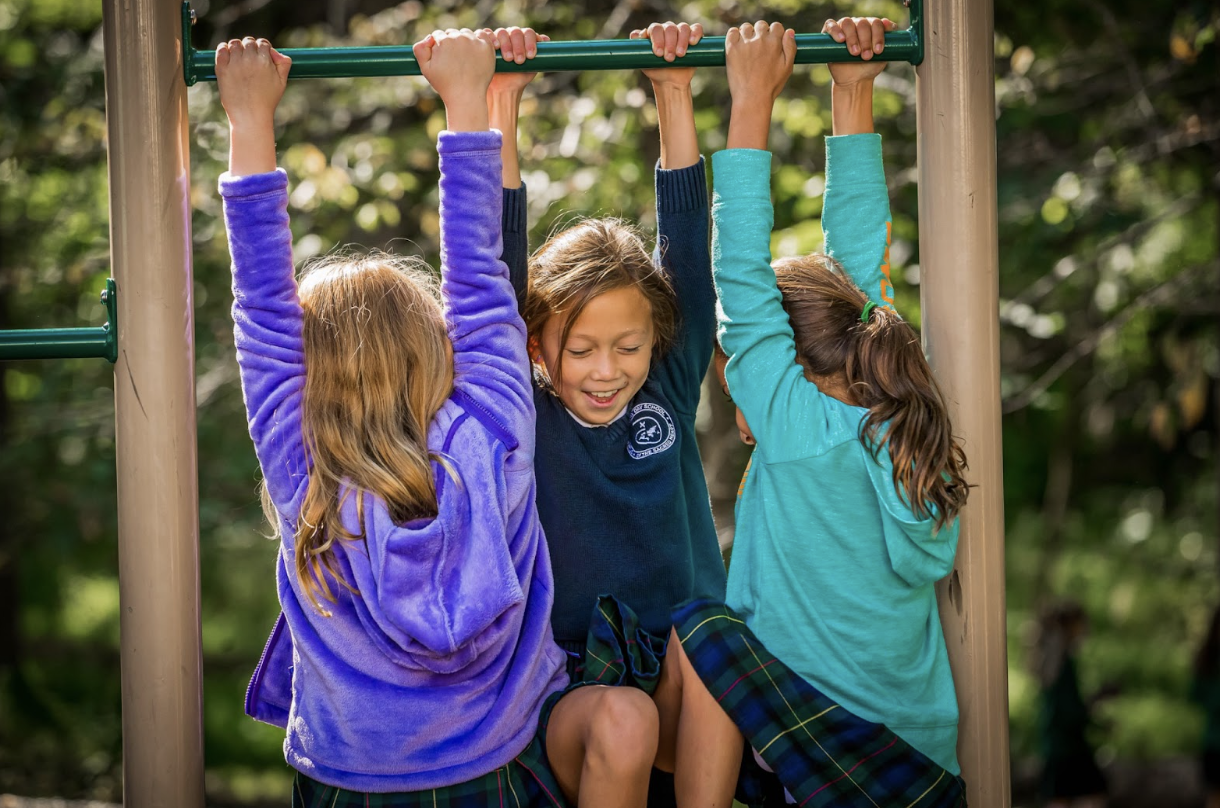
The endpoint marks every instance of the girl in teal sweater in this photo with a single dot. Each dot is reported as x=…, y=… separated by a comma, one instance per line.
x=829, y=654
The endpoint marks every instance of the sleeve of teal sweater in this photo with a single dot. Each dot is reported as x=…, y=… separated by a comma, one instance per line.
x=764, y=378
x=856, y=213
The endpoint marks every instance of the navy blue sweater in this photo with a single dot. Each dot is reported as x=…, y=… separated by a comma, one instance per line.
x=625, y=507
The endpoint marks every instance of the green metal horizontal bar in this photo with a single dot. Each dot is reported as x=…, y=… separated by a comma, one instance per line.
x=66, y=343
x=54, y=343
x=604, y=54
x=598, y=54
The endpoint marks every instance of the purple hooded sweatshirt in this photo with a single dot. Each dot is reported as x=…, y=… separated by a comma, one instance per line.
x=435, y=673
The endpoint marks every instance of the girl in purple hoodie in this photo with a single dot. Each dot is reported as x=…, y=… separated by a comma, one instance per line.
x=394, y=424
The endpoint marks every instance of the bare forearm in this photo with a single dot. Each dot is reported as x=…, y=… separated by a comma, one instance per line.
x=676, y=117
x=466, y=113
x=502, y=110
x=749, y=124
x=852, y=108
x=251, y=147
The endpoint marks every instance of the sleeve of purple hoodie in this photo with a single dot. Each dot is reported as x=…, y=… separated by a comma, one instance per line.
x=491, y=370
x=445, y=617
x=267, y=330
x=491, y=375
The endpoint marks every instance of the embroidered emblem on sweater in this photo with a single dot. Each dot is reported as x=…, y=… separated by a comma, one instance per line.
x=652, y=430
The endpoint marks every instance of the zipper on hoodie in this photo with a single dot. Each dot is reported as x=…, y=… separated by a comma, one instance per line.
x=256, y=681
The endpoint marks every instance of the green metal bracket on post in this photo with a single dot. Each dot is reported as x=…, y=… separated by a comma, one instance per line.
x=68, y=343
x=605, y=54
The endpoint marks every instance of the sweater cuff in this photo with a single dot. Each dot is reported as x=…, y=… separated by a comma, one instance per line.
x=515, y=210
x=459, y=142
x=681, y=189
x=858, y=158
x=232, y=186
x=742, y=172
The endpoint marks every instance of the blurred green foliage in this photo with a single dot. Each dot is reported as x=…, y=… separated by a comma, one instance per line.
x=1108, y=146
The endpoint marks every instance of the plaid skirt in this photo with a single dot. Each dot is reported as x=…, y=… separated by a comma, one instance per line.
x=821, y=753
x=524, y=782
x=618, y=651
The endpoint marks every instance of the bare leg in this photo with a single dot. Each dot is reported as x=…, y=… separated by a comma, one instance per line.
x=708, y=750
x=601, y=742
x=668, y=698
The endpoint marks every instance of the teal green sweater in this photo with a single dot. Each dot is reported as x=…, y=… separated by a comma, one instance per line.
x=830, y=568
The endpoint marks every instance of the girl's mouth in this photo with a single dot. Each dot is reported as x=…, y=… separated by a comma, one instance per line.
x=601, y=400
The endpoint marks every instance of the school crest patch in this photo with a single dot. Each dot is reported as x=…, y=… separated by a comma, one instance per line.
x=652, y=430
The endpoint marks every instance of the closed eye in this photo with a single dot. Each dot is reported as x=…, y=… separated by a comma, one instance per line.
x=580, y=353
x=631, y=350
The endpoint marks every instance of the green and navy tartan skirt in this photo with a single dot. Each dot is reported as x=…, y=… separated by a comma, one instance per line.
x=524, y=782
x=618, y=651
x=820, y=752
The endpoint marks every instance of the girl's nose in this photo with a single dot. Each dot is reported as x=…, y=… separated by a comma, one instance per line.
x=606, y=367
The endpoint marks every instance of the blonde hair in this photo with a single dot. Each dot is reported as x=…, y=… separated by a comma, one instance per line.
x=589, y=259
x=378, y=366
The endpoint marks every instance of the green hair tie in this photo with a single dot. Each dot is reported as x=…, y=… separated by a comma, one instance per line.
x=868, y=309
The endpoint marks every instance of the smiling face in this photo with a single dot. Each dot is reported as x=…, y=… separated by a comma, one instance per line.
x=607, y=356
x=743, y=429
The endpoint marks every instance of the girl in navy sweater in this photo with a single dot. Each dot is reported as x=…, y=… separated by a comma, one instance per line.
x=619, y=341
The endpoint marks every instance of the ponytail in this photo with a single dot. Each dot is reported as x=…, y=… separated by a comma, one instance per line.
x=886, y=372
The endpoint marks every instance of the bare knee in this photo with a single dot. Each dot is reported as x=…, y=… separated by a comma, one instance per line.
x=622, y=732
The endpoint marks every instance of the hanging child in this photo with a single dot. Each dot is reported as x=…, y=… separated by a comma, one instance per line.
x=620, y=340
x=414, y=662
x=829, y=655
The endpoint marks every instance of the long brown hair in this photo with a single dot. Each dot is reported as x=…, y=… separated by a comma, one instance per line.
x=886, y=371
x=588, y=259
x=378, y=366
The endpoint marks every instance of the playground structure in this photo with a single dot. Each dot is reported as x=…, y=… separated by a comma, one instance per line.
x=149, y=62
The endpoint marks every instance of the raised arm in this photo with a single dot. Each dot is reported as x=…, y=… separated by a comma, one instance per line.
x=516, y=250
x=682, y=215
x=671, y=89
x=763, y=377
x=251, y=77
x=490, y=366
x=503, y=104
x=856, y=220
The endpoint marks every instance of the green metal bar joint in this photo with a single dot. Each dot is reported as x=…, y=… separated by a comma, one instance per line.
x=605, y=54
x=916, y=29
x=68, y=343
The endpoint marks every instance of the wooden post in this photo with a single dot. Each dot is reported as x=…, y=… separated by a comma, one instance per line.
x=959, y=269
x=154, y=390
